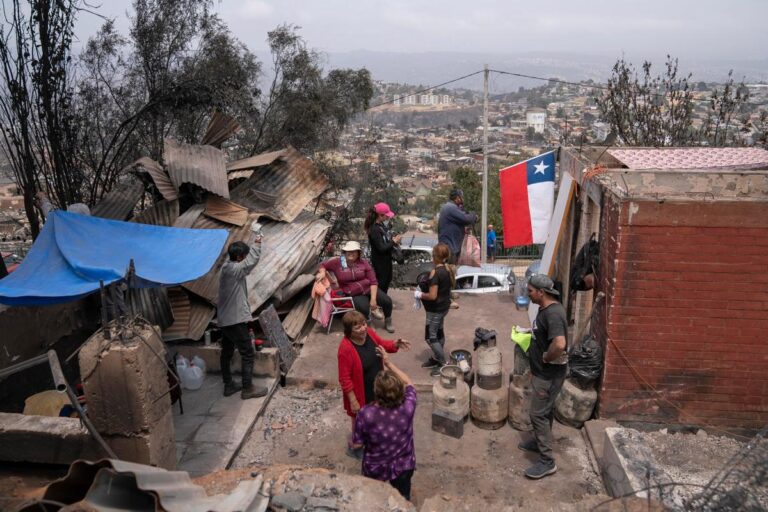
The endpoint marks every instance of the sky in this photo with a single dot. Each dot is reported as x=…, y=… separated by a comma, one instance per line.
x=703, y=29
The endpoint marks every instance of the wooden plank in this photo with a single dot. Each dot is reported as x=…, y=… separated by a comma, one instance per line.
x=556, y=230
x=273, y=330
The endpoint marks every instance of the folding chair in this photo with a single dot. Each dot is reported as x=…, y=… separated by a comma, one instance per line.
x=339, y=305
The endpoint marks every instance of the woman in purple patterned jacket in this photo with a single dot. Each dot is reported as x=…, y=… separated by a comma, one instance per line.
x=385, y=428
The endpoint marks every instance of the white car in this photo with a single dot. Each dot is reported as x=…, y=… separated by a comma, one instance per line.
x=490, y=278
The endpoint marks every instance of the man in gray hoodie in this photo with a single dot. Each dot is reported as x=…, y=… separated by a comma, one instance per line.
x=452, y=221
x=234, y=313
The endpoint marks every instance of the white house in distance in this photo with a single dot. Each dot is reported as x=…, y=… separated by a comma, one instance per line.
x=536, y=118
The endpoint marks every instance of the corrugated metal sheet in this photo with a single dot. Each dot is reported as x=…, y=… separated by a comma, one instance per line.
x=157, y=175
x=164, y=213
x=153, y=305
x=294, y=322
x=86, y=488
x=181, y=307
x=287, y=250
x=204, y=166
x=191, y=316
x=252, y=162
x=692, y=158
x=292, y=179
x=189, y=217
x=207, y=286
x=290, y=290
x=120, y=202
x=225, y=211
x=220, y=128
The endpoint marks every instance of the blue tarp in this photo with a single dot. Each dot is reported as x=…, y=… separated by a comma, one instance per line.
x=74, y=252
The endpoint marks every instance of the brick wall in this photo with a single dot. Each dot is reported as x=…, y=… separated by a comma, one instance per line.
x=687, y=288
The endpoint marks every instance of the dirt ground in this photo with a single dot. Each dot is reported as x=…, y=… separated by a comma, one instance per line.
x=484, y=469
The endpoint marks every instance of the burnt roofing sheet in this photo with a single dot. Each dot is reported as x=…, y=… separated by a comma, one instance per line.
x=204, y=166
x=120, y=202
x=282, y=188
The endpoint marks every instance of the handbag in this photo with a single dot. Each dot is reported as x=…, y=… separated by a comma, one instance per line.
x=397, y=254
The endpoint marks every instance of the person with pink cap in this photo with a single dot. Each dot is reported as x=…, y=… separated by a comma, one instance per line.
x=382, y=243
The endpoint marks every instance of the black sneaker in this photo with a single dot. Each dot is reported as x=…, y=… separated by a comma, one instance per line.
x=436, y=370
x=230, y=388
x=430, y=363
x=540, y=470
x=529, y=446
x=253, y=392
x=355, y=453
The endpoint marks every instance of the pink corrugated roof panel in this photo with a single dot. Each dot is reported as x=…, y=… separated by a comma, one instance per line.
x=691, y=158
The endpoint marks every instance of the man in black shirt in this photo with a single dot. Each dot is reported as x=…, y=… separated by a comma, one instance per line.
x=548, y=366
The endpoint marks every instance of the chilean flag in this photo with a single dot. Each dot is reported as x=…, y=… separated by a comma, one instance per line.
x=527, y=199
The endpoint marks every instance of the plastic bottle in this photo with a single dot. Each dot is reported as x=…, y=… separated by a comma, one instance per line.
x=182, y=367
x=199, y=362
x=195, y=377
x=343, y=261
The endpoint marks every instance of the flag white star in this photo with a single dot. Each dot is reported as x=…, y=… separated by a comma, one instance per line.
x=540, y=168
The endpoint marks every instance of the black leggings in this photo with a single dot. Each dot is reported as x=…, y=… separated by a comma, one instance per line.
x=403, y=483
x=363, y=303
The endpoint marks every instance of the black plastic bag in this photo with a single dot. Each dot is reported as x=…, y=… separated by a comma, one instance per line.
x=585, y=363
x=483, y=336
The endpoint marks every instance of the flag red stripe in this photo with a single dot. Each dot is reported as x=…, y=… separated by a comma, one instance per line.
x=515, y=212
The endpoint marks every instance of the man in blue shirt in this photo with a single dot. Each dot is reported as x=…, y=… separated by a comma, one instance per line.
x=491, y=238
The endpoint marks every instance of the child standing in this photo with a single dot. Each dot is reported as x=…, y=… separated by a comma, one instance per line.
x=437, y=302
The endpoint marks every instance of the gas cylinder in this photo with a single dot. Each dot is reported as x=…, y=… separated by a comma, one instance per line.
x=489, y=407
x=520, y=402
x=574, y=404
x=463, y=359
x=488, y=368
x=450, y=393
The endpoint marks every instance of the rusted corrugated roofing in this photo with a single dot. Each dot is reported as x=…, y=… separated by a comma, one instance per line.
x=292, y=179
x=287, y=250
x=207, y=286
x=157, y=175
x=120, y=202
x=220, y=128
x=252, y=162
x=691, y=158
x=225, y=211
x=189, y=217
x=204, y=166
x=191, y=316
x=164, y=213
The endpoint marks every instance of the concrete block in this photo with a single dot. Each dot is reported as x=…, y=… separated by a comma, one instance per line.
x=266, y=362
x=289, y=501
x=448, y=423
x=45, y=440
x=125, y=383
x=156, y=448
x=595, y=430
x=628, y=465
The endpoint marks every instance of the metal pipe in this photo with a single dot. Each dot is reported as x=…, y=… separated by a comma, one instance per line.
x=61, y=385
x=29, y=363
x=104, y=317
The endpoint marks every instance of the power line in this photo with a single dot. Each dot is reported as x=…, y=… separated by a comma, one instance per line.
x=550, y=79
x=426, y=89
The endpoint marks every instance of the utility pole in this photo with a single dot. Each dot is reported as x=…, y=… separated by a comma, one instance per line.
x=484, y=216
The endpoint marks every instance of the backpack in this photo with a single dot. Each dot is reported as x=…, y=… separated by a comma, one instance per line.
x=586, y=262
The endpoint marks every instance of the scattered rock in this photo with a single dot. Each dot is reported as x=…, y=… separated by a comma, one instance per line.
x=320, y=504
x=289, y=501
x=307, y=490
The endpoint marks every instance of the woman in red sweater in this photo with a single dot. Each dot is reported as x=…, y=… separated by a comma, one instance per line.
x=359, y=364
